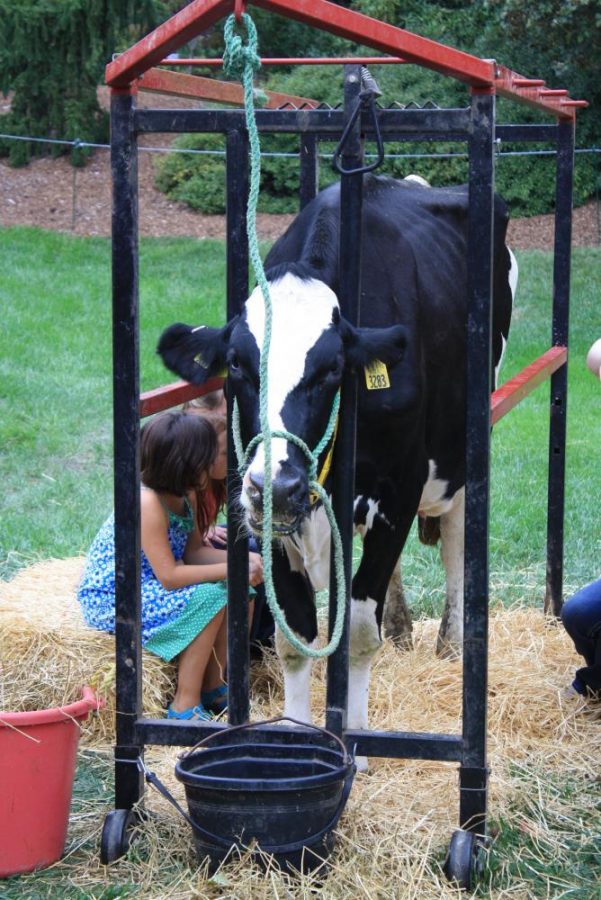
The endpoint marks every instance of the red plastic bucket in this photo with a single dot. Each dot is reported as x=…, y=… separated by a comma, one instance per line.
x=37, y=767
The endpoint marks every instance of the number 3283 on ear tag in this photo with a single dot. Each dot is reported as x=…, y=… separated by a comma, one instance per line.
x=376, y=376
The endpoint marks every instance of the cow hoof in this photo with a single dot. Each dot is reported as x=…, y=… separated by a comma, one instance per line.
x=362, y=763
x=446, y=649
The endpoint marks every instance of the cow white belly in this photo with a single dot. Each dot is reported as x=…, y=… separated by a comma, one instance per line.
x=433, y=501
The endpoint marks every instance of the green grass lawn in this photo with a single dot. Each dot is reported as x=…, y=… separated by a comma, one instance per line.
x=56, y=392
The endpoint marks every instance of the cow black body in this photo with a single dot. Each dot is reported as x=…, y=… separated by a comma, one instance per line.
x=410, y=435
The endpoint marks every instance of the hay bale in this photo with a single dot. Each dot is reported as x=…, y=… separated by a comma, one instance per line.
x=48, y=653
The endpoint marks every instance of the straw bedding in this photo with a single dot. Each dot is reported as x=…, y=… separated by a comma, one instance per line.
x=47, y=652
x=400, y=815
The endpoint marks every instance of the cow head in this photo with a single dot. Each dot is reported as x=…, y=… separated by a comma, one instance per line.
x=311, y=344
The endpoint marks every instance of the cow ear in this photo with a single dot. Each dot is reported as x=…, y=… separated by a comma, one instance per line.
x=195, y=354
x=364, y=345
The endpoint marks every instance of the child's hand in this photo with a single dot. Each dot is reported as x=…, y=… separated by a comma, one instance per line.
x=216, y=536
x=219, y=535
x=255, y=569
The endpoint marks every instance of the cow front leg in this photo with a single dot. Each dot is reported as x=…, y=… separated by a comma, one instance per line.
x=297, y=600
x=297, y=680
x=382, y=545
x=452, y=528
x=397, y=618
x=364, y=641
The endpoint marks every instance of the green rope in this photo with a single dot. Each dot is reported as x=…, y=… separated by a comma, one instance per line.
x=241, y=62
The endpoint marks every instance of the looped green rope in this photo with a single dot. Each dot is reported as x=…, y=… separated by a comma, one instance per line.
x=238, y=60
x=312, y=455
x=243, y=62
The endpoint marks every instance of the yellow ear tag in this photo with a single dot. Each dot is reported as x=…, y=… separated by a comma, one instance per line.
x=376, y=376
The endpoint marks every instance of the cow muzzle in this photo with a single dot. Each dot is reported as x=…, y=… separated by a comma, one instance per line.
x=289, y=501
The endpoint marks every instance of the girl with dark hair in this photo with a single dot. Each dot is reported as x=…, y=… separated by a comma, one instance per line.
x=262, y=625
x=183, y=580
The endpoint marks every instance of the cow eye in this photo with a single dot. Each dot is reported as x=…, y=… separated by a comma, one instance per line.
x=329, y=375
x=334, y=371
x=234, y=362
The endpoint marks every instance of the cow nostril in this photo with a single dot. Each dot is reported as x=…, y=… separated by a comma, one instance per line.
x=288, y=491
x=294, y=488
x=255, y=488
x=256, y=482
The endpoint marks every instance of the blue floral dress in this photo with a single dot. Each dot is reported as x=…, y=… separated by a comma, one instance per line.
x=170, y=619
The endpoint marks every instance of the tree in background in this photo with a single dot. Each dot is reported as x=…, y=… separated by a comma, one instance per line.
x=560, y=42
x=53, y=53
x=52, y=57
x=557, y=40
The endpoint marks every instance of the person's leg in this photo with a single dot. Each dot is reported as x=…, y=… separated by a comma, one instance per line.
x=581, y=616
x=214, y=687
x=216, y=666
x=192, y=664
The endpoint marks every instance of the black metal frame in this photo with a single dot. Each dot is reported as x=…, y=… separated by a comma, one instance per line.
x=474, y=126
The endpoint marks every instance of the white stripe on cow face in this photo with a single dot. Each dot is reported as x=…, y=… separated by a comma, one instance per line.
x=301, y=312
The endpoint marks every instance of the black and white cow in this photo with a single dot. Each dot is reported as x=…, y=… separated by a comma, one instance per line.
x=410, y=434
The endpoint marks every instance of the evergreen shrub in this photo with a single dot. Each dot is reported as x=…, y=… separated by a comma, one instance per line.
x=52, y=59
x=198, y=179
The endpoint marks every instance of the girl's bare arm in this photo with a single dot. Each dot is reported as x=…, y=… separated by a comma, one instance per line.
x=171, y=573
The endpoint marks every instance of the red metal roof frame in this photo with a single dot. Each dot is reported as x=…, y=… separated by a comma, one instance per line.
x=214, y=62
x=179, y=84
x=480, y=74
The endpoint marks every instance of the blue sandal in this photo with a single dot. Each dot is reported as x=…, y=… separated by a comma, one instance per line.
x=194, y=712
x=215, y=700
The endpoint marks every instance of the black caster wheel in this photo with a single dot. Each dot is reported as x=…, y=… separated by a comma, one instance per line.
x=114, y=842
x=463, y=864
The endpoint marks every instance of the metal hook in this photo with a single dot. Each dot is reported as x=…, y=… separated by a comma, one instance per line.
x=366, y=101
x=239, y=9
